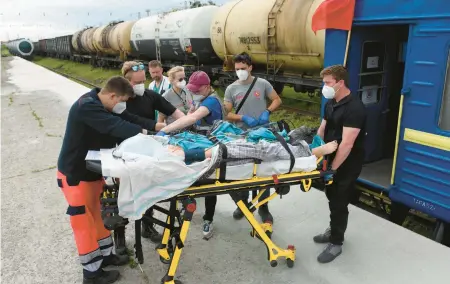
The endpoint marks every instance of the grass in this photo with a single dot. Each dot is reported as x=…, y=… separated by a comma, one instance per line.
x=5, y=52
x=98, y=76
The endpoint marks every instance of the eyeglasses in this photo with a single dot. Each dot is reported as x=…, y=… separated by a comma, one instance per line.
x=135, y=68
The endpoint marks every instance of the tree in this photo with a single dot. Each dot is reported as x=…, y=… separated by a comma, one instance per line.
x=196, y=4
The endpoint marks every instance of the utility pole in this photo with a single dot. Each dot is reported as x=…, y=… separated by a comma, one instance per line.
x=148, y=12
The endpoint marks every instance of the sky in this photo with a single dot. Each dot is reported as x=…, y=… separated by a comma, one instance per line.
x=37, y=19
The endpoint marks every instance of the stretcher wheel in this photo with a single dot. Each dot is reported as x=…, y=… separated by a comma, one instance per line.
x=273, y=263
x=289, y=262
x=165, y=261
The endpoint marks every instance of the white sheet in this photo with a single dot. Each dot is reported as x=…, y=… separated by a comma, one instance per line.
x=148, y=173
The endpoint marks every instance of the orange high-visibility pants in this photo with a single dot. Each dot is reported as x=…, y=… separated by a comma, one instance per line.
x=93, y=240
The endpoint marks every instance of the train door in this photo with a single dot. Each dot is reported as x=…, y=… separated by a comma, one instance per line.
x=376, y=69
x=421, y=179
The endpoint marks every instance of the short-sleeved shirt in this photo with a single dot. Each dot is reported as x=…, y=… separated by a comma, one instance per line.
x=163, y=86
x=146, y=105
x=215, y=110
x=348, y=112
x=256, y=102
x=182, y=101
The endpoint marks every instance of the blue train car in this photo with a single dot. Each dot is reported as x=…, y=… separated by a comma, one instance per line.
x=399, y=65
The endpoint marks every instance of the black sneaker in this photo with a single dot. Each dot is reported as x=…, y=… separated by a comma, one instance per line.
x=265, y=215
x=149, y=232
x=105, y=277
x=114, y=259
x=237, y=214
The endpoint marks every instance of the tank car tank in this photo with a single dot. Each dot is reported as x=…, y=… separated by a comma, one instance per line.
x=20, y=47
x=183, y=36
x=277, y=33
x=119, y=39
x=100, y=39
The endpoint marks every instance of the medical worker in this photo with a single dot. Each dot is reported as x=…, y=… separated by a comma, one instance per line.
x=160, y=83
x=177, y=95
x=146, y=103
x=251, y=112
x=343, y=121
x=97, y=120
x=208, y=109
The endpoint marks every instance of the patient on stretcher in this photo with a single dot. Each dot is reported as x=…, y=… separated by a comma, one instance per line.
x=263, y=151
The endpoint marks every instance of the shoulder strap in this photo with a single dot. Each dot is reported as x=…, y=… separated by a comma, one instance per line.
x=246, y=95
x=286, y=146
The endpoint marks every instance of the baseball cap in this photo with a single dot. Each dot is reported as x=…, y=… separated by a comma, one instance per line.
x=197, y=80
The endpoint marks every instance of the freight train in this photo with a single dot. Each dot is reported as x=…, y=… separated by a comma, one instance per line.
x=206, y=38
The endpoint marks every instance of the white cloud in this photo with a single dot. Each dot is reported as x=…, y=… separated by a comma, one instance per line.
x=36, y=19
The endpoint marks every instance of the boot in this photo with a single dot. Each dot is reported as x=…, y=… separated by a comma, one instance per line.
x=104, y=277
x=265, y=215
x=114, y=259
x=149, y=232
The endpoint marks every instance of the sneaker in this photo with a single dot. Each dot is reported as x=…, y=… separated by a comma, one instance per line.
x=149, y=232
x=323, y=238
x=114, y=259
x=207, y=229
x=265, y=215
x=329, y=253
x=105, y=277
x=237, y=214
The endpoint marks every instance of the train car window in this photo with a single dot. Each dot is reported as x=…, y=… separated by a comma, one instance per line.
x=444, y=117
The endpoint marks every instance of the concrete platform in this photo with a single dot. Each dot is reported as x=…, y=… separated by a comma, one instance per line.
x=38, y=245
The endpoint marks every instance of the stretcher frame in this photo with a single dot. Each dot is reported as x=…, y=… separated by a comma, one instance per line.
x=174, y=236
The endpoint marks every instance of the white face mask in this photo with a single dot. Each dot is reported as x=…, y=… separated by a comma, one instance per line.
x=119, y=107
x=181, y=84
x=242, y=74
x=139, y=89
x=329, y=92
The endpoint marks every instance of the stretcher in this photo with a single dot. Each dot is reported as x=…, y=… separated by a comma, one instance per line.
x=178, y=220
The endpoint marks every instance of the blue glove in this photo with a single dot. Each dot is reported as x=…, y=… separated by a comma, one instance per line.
x=264, y=117
x=328, y=177
x=161, y=133
x=250, y=121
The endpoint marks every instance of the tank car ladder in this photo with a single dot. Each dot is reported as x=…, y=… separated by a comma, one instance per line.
x=157, y=41
x=272, y=38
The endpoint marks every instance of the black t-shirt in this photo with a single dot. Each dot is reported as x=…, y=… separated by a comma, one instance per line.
x=146, y=105
x=348, y=112
x=91, y=127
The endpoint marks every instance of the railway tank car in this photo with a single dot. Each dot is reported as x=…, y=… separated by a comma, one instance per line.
x=21, y=47
x=177, y=37
x=277, y=35
x=119, y=39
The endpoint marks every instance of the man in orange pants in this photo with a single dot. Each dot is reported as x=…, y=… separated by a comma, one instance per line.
x=96, y=120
